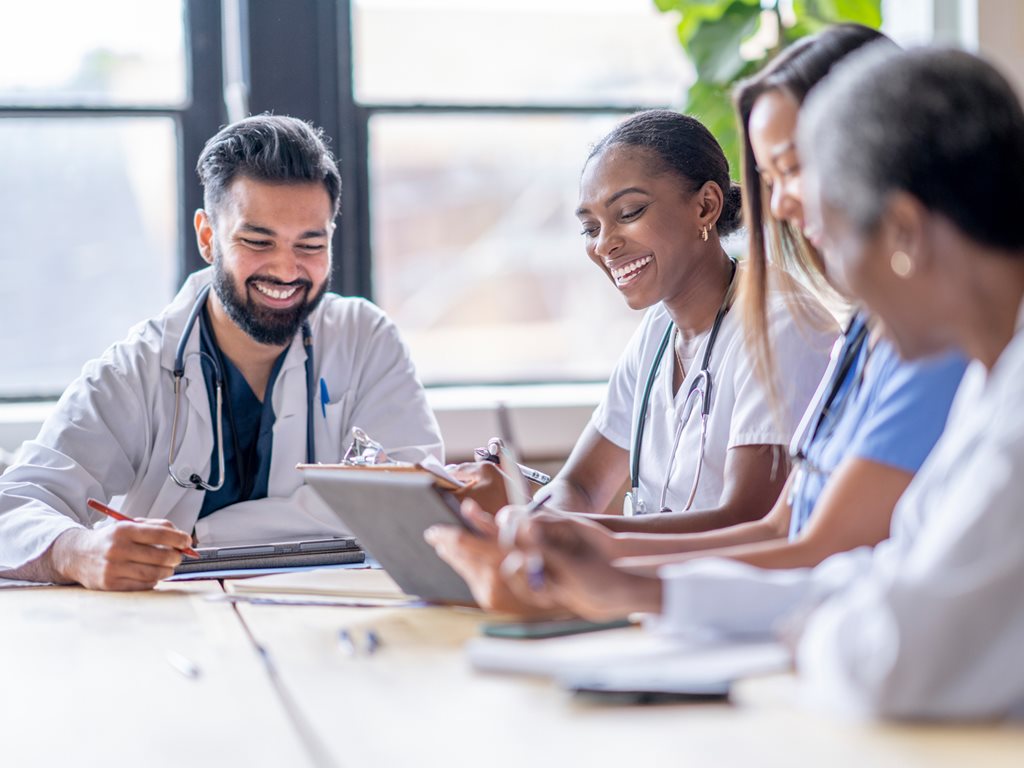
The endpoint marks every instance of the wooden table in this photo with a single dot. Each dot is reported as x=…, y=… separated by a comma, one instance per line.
x=90, y=678
x=418, y=702
x=86, y=680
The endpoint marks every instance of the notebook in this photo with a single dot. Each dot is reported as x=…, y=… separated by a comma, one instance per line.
x=280, y=554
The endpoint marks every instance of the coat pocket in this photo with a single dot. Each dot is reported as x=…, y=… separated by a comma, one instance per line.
x=335, y=433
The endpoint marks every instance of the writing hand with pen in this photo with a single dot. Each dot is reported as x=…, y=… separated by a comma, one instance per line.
x=132, y=554
x=480, y=558
x=485, y=479
x=477, y=558
x=564, y=561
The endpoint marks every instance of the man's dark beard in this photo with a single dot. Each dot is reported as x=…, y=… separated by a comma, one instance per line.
x=275, y=327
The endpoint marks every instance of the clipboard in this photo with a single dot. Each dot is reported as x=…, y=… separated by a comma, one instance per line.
x=388, y=508
x=438, y=476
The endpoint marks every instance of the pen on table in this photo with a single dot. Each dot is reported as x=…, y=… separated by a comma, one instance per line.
x=102, y=508
x=183, y=665
x=346, y=643
x=372, y=642
x=325, y=397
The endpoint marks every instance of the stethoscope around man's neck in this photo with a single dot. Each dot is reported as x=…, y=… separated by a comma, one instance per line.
x=194, y=481
x=702, y=384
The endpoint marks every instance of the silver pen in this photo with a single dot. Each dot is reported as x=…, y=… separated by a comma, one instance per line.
x=183, y=665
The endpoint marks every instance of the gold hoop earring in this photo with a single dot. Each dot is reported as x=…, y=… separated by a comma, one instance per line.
x=704, y=233
x=901, y=264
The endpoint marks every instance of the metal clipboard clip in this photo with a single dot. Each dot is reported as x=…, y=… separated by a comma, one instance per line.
x=364, y=451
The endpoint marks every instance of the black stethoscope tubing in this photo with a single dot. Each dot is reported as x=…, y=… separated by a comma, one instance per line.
x=852, y=350
x=705, y=374
x=195, y=481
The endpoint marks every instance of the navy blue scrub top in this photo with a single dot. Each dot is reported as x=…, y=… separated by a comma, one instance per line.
x=248, y=428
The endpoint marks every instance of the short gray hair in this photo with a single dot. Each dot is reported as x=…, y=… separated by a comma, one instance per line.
x=939, y=124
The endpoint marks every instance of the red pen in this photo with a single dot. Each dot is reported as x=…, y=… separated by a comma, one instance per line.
x=102, y=508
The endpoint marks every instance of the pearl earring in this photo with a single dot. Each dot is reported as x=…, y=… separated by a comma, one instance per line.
x=901, y=264
x=704, y=233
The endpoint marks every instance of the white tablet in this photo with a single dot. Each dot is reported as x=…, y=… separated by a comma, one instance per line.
x=388, y=513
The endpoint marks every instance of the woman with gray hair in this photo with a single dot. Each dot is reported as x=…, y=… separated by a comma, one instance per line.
x=912, y=170
x=925, y=228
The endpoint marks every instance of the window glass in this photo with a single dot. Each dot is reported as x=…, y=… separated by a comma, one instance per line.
x=95, y=53
x=604, y=52
x=476, y=249
x=88, y=242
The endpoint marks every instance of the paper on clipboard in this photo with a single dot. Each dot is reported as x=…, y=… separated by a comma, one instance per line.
x=430, y=465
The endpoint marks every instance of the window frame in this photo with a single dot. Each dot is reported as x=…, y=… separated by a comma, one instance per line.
x=327, y=96
x=198, y=118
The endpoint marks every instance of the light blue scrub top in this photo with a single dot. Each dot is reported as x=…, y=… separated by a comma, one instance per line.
x=886, y=410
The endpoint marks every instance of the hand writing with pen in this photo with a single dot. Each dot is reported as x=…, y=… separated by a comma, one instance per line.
x=542, y=564
x=578, y=574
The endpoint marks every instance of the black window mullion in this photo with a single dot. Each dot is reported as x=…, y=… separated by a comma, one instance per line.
x=203, y=116
x=353, y=272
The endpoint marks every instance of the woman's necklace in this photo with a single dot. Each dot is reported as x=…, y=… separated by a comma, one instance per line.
x=684, y=361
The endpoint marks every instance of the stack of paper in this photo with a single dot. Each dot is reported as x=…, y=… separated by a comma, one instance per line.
x=359, y=583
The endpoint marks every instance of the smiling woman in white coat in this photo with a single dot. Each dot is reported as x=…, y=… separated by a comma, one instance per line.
x=199, y=417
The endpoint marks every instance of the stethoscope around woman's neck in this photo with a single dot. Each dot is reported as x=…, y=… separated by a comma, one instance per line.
x=827, y=403
x=701, y=385
x=194, y=481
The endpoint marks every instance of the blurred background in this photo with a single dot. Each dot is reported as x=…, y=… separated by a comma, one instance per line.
x=461, y=126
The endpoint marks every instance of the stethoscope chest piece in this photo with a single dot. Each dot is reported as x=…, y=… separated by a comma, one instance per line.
x=632, y=504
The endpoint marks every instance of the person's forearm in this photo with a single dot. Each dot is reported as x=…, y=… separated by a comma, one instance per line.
x=778, y=554
x=639, y=544
x=55, y=565
x=775, y=555
x=567, y=496
x=642, y=595
x=626, y=593
x=674, y=522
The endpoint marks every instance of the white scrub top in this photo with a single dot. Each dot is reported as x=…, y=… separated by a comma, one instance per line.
x=110, y=433
x=741, y=410
x=930, y=624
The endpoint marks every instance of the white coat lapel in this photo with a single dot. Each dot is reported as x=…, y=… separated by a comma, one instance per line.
x=289, y=401
x=194, y=431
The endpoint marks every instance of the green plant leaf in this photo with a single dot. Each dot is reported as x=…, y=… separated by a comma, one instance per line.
x=715, y=46
x=867, y=12
x=711, y=104
x=711, y=32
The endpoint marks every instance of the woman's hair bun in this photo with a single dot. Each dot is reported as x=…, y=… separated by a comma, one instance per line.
x=732, y=210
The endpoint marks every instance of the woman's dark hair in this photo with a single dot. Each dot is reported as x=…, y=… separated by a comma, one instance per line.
x=681, y=145
x=273, y=148
x=939, y=124
x=794, y=72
